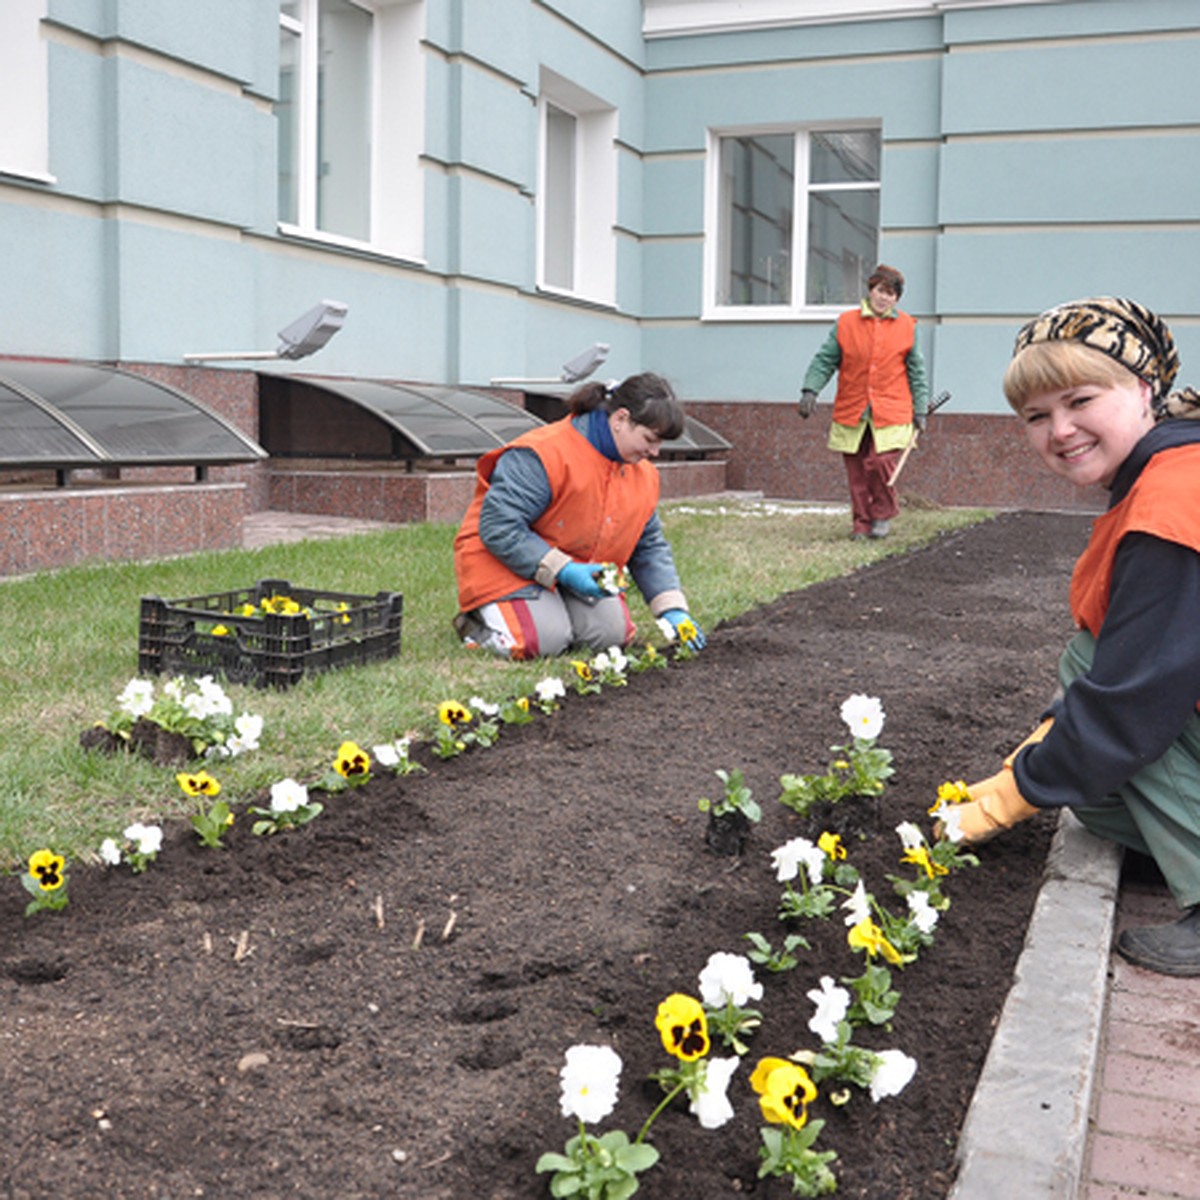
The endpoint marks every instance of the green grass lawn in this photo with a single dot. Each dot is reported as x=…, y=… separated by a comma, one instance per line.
x=68, y=645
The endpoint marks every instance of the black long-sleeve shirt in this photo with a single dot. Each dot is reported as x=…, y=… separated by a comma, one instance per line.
x=1144, y=682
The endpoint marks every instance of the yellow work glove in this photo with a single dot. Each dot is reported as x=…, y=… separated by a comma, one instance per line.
x=996, y=804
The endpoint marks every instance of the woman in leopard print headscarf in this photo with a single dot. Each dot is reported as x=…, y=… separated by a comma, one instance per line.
x=1120, y=745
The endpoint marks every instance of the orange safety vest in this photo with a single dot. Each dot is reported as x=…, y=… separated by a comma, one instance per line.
x=597, y=512
x=873, y=370
x=1159, y=503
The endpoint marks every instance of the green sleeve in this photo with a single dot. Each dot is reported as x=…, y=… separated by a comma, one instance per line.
x=918, y=379
x=824, y=363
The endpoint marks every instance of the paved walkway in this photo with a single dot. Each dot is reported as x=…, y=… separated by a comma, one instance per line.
x=1145, y=1138
x=1091, y=1090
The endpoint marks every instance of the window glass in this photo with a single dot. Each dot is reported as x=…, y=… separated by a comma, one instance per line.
x=344, y=120
x=559, y=215
x=844, y=157
x=325, y=115
x=797, y=217
x=287, y=114
x=759, y=184
x=842, y=239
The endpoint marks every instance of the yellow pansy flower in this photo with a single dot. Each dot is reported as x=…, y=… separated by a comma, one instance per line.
x=785, y=1090
x=48, y=869
x=351, y=760
x=866, y=935
x=920, y=856
x=683, y=1027
x=451, y=713
x=199, y=784
x=831, y=843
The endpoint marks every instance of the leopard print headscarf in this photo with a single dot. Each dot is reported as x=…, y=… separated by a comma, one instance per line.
x=1126, y=331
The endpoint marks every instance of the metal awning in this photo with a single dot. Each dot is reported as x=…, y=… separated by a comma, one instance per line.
x=73, y=415
x=315, y=416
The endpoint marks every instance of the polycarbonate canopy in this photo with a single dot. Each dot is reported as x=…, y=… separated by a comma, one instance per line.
x=696, y=440
x=306, y=416
x=66, y=415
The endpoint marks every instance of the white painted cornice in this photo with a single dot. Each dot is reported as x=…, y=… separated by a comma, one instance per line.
x=673, y=18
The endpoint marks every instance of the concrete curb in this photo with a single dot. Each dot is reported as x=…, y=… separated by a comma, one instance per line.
x=1026, y=1130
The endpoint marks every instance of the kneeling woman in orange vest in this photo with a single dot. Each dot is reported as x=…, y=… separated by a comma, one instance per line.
x=551, y=508
x=1090, y=380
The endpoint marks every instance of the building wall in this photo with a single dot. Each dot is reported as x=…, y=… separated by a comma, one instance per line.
x=1031, y=152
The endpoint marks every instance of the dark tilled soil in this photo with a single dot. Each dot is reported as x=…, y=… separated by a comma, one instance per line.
x=265, y=1021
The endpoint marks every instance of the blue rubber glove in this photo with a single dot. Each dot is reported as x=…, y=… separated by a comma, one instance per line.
x=676, y=616
x=580, y=578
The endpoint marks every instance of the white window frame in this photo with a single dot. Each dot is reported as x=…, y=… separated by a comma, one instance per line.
x=396, y=135
x=594, y=245
x=24, y=91
x=797, y=310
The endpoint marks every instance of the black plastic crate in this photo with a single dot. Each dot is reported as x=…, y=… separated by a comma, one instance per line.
x=211, y=635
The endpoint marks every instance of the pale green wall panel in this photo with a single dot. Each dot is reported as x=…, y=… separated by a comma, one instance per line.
x=674, y=192
x=234, y=38
x=848, y=39
x=1025, y=271
x=1094, y=17
x=496, y=134
x=177, y=293
x=735, y=360
x=629, y=274
x=496, y=232
x=1092, y=85
x=183, y=147
x=618, y=26
x=674, y=269
x=909, y=184
x=56, y=266
x=680, y=108
x=1143, y=177
x=82, y=124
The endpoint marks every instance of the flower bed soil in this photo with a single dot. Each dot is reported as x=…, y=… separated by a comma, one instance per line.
x=378, y=1004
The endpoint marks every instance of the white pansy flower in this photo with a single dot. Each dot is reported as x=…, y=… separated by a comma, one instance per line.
x=728, y=979
x=858, y=907
x=924, y=915
x=483, y=707
x=709, y=1102
x=110, y=852
x=287, y=796
x=892, y=1074
x=616, y=659
x=174, y=687
x=863, y=715
x=832, y=1005
x=386, y=754
x=589, y=1082
x=911, y=837
x=138, y=697
x=148, y=838
x=788, y=857
x=550, y=688
x=950, y=817
x=249, y=727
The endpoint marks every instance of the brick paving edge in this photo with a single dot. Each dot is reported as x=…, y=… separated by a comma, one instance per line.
x=1026, y=1130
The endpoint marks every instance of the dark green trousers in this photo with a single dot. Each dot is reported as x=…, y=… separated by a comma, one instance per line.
x=1157, y=812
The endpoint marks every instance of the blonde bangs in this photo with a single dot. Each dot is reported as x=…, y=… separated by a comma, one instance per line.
x=1053, y=366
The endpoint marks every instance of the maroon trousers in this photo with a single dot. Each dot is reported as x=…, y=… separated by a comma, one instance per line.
x=868, y=472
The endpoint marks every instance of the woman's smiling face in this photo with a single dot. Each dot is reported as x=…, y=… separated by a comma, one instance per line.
x=1085, y=432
